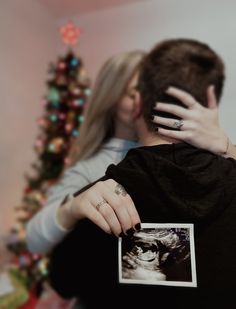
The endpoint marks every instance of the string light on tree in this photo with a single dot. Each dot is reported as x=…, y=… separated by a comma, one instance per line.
x=56, y=145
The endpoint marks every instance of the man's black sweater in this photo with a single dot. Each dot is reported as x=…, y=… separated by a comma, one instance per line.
x=174, y=183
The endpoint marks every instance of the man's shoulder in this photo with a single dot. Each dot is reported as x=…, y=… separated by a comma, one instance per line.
x=142, y=154
x=136, y=160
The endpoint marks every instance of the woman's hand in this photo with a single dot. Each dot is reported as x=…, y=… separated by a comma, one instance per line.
x=200, y=126
x=106, y=204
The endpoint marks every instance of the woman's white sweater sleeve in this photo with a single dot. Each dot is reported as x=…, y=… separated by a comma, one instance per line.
x=43, y=231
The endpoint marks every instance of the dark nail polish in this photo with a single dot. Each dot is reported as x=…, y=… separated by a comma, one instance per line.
x=152, y=117
x=122, y=234
x=138, y=227
x=130, y=232
x=156, y=129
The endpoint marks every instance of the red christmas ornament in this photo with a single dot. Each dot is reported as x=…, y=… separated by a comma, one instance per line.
x=27, y=190
x=70, y=34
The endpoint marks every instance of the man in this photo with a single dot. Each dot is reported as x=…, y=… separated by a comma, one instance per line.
x=168, y=182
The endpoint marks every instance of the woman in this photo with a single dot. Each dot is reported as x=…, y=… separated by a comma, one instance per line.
x=106, y=135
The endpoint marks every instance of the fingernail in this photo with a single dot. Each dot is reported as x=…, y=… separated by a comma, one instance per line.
x=152, y=117
x=156, y=129
x=137, y=227
x=130, y=232
x=122, y=234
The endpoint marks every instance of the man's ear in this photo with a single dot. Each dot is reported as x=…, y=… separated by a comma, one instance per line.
x=211, y=97
x=137, y=110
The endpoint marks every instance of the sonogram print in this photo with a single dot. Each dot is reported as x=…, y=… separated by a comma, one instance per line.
x=158, y=254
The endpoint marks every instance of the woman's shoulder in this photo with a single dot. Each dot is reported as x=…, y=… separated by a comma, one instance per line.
x=111, y=152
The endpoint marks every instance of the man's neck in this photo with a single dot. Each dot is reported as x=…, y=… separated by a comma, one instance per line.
x=155, y=139
x=148, y=138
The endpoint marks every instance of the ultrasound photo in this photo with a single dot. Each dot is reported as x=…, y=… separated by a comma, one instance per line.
x=159, y=254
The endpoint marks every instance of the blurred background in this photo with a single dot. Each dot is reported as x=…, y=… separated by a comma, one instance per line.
x=29, y=32
x=30, y=40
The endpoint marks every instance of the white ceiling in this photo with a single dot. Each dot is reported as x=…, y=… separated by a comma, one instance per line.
x=66, y=8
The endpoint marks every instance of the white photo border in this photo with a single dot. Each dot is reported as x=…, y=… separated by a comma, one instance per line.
x=192, y=283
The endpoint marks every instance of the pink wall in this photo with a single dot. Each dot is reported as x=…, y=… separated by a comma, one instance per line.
x=27, y=35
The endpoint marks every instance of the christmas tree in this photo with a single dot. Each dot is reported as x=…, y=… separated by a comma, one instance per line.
x=68, y=91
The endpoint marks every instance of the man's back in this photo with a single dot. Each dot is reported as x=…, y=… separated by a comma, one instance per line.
x=169, y=184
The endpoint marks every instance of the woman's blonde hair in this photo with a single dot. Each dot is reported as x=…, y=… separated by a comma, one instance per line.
x=109, y=88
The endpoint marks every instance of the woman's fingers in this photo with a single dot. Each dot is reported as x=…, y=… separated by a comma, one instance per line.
x=109, y=206
x=97, y=218
x=110, y=217
x=181, y=135
x=125, y=202
x=82, y=207
x=99, y=196
x=170, y=122
x=199, y=125
x=181, y=95
x=191, y=115
x=116, y=207
x=178, y=111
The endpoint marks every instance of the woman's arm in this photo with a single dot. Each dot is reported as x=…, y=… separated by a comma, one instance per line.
x=48, y=227
x=43, y=230
x=200, y=124
x=105, y=203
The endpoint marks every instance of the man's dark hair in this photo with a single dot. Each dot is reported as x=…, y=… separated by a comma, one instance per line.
x=187, y=64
